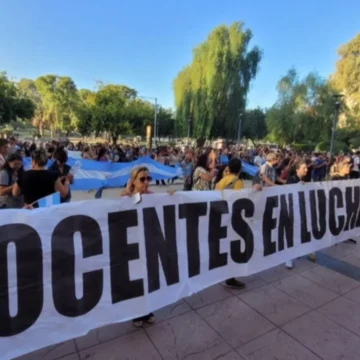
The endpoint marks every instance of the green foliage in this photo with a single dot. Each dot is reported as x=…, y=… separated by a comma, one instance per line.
x=113, y=104
x=254, y=125
x=355, y=142
x=212, y=90
x=13, y=104
x=347, y=75
x=304, y=110
x=303, y=147
x=338, y=146
x=59, y=101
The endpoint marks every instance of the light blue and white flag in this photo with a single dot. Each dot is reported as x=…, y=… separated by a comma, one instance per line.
x=91, y=174
x=53, y=199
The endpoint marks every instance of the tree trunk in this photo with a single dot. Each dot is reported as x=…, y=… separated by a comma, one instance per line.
x=41, y=128
x=114, y=138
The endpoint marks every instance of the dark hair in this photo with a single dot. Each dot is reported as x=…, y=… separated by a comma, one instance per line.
x=40, y=157
x=295, y=166
x=101, y=153
x=61, y=156
x=235, y=166
x=220, y=173
x=203, y=161
x=3, y=142
x=12, y=157
x=298, y=163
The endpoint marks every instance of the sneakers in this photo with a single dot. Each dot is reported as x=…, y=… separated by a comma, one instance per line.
x=312, y=257
x=234, y=284
x=289, y=264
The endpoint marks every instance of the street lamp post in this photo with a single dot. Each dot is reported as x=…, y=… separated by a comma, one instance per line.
x=239, y=128
x=155, y=112
x=335, y=119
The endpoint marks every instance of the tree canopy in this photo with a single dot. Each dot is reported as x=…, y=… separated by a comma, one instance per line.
x=212, y=90
x=303, y=111
x=346, y=78
x=13, y=103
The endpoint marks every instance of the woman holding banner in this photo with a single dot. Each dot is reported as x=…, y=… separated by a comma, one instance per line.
x=139, y=184
x=8, y=177
x=299, y=172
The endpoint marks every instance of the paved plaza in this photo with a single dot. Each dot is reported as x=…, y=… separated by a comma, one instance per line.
x=308, y=313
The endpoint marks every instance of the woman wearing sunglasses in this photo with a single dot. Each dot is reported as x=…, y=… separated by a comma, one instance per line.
x=139, y=184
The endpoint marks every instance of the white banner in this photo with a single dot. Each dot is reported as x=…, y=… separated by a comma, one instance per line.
x=71, y=268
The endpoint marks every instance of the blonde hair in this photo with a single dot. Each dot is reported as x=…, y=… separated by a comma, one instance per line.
x=271, y=156
x=337, y=168
x=133, y=175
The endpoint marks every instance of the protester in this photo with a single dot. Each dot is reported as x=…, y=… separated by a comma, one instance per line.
x=299, y=173
x=102, y=155
x=139, y=184
x=62, y=170
x=355, y=171
x=267, y=175
x=8, y=177
x=187, y=166
x=38, y=182
x=4, y=145
x=231, y=179
x=203, y=176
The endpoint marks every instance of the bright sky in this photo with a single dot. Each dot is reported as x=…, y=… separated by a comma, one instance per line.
x=144, y=43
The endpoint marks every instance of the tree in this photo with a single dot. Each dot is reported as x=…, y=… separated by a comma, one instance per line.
x=13, y=104
x=346, y=78
x=212, y=90
x=59, y=100
x=166, y=123
x=113, y=104
x=304, y=109
x=254, y=125
x=28, y=88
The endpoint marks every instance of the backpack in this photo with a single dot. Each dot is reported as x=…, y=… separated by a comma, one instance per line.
x=231, y=185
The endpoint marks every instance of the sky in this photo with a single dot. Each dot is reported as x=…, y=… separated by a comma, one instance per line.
x=144, y=43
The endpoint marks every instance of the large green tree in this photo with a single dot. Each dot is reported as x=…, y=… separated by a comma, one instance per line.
x=346, y=78
x=113, y=106
x=59, y=101
x=212, y=90
x=304, y=109
x=13, y=104
x=254, y=124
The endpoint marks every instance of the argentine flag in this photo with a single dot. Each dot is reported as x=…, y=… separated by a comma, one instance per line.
x=53, y=199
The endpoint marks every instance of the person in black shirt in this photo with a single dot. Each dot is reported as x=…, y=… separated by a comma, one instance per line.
x=62, y=170
x=38, y=183
x=298, y=174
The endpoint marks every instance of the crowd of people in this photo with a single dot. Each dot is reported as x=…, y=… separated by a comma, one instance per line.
x=203, y=169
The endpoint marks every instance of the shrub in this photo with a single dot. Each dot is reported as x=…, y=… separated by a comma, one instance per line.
x=303, y=147
x=338, y=146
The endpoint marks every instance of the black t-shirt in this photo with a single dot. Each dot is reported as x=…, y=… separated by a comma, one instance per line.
x=36, y=184
x=294, y=179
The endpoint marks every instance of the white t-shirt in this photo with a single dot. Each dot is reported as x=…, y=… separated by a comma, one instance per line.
x=356, y=163
x=258, y=161
x=2, y=161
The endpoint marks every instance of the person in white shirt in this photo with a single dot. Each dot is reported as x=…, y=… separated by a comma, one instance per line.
x=259, y=160
x=355, y=171
x=4, y=144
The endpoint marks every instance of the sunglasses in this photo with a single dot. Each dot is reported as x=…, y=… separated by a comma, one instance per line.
x=145, y=178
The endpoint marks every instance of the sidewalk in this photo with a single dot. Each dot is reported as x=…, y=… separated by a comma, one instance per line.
x=310, y=312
